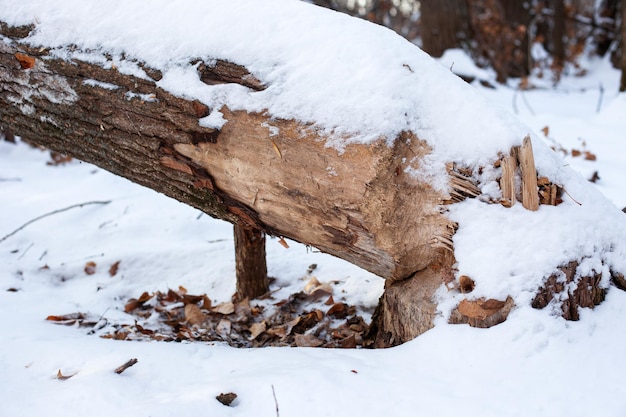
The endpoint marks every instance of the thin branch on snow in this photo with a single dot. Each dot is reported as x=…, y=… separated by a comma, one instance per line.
x=275, y=401
x=127, y=365
x=50, y=214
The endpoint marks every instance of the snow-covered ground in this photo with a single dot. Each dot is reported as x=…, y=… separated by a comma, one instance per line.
x=532, y=364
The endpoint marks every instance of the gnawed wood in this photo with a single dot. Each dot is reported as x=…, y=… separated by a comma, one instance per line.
x=507, y=181
x=462, y=186
x=481, y=313
x=530, y=191
x=407, y=308
x=353, y=205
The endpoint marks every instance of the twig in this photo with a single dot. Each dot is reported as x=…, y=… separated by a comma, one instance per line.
x=275, y=401
x=127, y=365
x=10, y=179
x=50, y=214
x=599, y=106
x=570, y=196
x=26, y=250
x=530, y=109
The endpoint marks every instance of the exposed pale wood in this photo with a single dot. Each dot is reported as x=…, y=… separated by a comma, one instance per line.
x=358, y=204
x=507, y=181
x=481, y=313
x=407, y=308
x=530, y=191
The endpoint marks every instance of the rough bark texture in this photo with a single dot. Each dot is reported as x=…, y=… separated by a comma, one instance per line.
x=250, y=264
x=360, y=205
x=586, y=291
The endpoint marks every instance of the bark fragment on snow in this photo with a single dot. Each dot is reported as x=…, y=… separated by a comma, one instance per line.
x=571, y=291
x=481, y=313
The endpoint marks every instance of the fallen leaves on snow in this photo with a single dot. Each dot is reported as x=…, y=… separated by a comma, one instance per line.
x=309, y=318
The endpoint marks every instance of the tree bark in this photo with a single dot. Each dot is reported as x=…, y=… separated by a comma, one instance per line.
x=250, y=263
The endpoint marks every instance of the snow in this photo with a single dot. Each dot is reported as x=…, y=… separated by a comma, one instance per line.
x=360, y=82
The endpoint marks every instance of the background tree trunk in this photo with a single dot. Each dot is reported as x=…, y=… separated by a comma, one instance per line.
x=250, y=262
x=622, y=86
x=444, y=24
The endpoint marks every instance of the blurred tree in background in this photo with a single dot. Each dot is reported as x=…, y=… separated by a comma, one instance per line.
x=515, y=38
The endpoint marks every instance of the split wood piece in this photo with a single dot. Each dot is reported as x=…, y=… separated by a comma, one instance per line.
x=530, y=191
x=250, y=262
x=549, y=193
x=587, y=291
x=481, y=313
x=507, y=182
x=462, y=186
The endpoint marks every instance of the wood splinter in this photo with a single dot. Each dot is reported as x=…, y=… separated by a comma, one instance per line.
x=529, y=188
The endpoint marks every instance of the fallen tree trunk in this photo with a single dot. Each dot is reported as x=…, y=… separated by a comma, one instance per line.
x=267, y=175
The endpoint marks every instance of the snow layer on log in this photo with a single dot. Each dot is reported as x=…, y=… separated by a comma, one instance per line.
x=354, y=80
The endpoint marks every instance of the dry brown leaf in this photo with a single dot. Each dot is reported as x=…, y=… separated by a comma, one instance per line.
x=330, y=301
x=310, y=286
x=546, y=131
x=62, y=377
x=131, y=305
x=182, y=290
x=193, y=314
x=206, y=302
x=307, y=340
x=58, y=159
x=67, y=319
x=283, y=243
x=145, y=297
x=338, y=310
x=291, y=324
x=26, y=62
x=322, y=290
x=224, y=308
x=576, y=152
x=277, y=332
x=590, y=156
x=256, y=329
x=90, y=268
x=224, y=327
x=113, y=269
x=349, y=342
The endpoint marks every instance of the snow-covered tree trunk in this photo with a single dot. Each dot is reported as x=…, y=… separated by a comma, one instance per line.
x=379, y=169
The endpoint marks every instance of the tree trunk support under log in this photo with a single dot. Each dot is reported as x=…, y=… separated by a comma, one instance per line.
x=250, y=262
